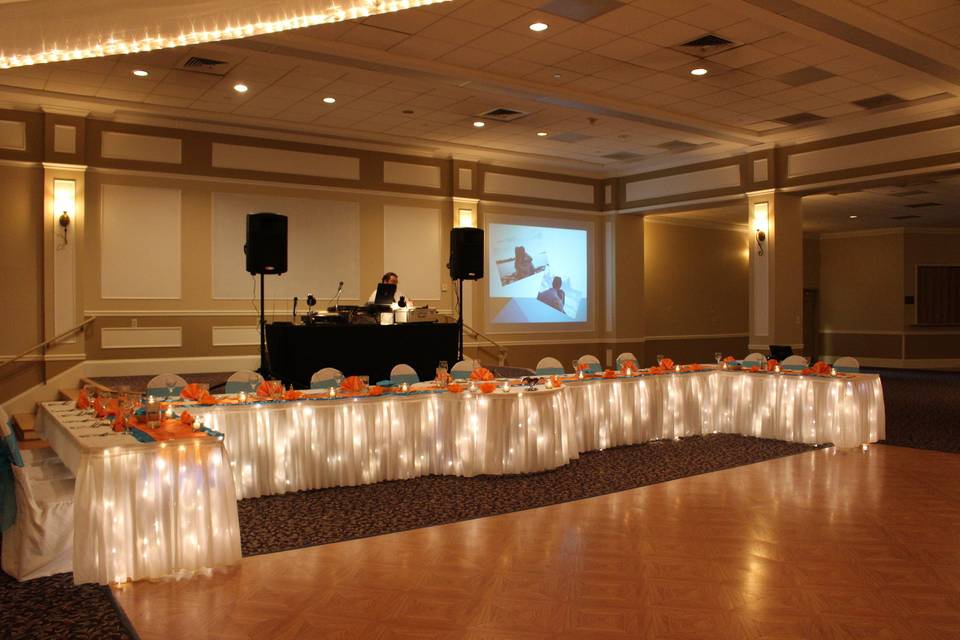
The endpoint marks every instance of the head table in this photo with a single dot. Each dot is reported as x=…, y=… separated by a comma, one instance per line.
x=145, y=510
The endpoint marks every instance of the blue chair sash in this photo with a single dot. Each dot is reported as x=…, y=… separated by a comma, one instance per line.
x=550, y=371
x=163, y=392
x=9, y=456
x=847, y=369
x=461, y=375
x=326, y=384
x=751, y=363
x=793, y=367
x=409, y=378
x=594, y=367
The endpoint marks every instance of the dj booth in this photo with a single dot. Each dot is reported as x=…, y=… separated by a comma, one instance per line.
x=297, y=351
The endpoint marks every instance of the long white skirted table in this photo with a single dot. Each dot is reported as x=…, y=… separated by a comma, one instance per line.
x=145, y=510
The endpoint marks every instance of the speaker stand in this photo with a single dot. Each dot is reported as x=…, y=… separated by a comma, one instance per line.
x=460, y=322
x=265, y=369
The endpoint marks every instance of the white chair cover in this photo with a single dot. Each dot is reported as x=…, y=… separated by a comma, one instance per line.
x=847, y=364
x=40, y=543
x=162, y=384
x=754, y=359
x=404, y=373
x=625, y=357
x=794, y=363
x=246, y=381
x=592, y=362
x=326, y=378
x=549, y=367
x=10, y=456
x=463, y=369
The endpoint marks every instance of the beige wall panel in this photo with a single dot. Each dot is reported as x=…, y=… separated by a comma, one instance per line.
x=140, y=242
x=64, y=139
x=694, y=350
x=695, y=280
x=411, y=248
x=892, y=149
x=811, y=263
x=131, y=146
x=321, y=165
x=21, y=256
x=628, y=291
x=140, y=337
x=861, y=283
x=13, y=135
x=861, y=345
x=933, y=346
x=221, y=336
x=419, y=175
x=695, y=181
x=524, y=186
x=195, y=337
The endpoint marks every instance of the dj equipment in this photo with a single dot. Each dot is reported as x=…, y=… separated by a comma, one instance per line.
x=466, y=253
x=266, y=246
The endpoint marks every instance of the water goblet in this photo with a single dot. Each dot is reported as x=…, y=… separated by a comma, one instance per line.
x=660, y=357
x=718, y=357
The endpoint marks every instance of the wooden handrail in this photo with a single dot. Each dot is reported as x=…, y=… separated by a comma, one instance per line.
x=502, y=357
x=47, y=343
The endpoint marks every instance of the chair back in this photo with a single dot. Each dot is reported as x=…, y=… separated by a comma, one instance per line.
x=462, y=369
x=794, y=363
x=549, y=367
x=592, y=362
x=846, y=364
x=246, y=381
x=404, y=373
x=326, y=378
x=754, y=360
x=166, y=384
x=625, y=357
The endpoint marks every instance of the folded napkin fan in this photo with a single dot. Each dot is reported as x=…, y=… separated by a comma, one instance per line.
x=269, y=388
x=192, y=391
x=352, y=383
x=481, y=373
x=83, y=400
x=667, y=363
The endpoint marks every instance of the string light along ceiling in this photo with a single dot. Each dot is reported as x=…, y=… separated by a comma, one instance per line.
x=80, y=30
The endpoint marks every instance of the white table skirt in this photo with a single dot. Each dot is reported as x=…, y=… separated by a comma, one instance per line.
x=145, y=510
x=312, y=444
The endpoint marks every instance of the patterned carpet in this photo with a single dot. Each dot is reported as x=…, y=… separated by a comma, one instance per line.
x=923, y=409
x=54, y=608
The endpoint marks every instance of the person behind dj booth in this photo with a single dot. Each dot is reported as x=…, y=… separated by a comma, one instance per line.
x=391, y=278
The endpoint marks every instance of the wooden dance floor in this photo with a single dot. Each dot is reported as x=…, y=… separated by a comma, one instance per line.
x=826, y=544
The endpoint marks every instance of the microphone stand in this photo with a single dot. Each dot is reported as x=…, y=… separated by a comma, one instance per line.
x=336, y=304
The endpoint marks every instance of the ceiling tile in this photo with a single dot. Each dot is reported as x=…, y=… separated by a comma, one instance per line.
x=470, y=57
x=583, y=37
x=491, y=13
x=513, y=67
x=663, y=59
x=454, y=31
x=625, y=49
x=546, y=53
x=741, y=56
x=669, y=33
x=580, y=10
x=408, y=21
x=624, y=72
x=423, y=48
x=626, y=20
x=711, y=17
x=587, y=63
x=748, y=31
x=372, y=37
x=502, y=42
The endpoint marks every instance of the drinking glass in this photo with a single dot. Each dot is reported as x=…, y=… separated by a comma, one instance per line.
x=364, y=383
x=171, y=387
x=659, y=359
x=718, y=357
x=575, y=363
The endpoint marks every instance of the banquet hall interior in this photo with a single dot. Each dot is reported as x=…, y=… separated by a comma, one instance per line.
x=671, y=346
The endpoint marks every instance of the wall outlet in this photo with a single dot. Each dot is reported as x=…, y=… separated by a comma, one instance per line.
x=133, y=323
x=443, y=287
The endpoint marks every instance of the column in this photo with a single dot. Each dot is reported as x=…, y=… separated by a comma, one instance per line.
x=776, y=270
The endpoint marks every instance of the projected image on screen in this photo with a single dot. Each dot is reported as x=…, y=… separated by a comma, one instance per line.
x=538, y=274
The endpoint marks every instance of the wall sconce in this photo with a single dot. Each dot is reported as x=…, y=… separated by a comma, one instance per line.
x=64, y=205
x=760, y=222
x=465, y=218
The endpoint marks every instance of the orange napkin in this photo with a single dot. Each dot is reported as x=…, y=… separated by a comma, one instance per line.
x=352, y=383
x=186, y=418
x=454, y=387
x=821, y=368
x=206, y=398
x=609, y=374
x=119, y=423
x=488, y=387
x=754, y=369
x=99, y=408
x=292, y=394
x=583, y=366
x=481, y=373
x=269, y=388
x=628, y=366
x=667, y=363
x=83, y=400
x=772, y=364
x=557, y=381
x=375, y=391
x=656, y=370
x=729, y=359
x=696, y=366
x=192, y=391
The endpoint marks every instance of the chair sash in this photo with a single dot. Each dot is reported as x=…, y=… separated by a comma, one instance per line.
x=847, y=369
x=9, y=456
x=550, y=371
x=409, y=378
x=163, y=392
x=793, y=367
x=461, y=375
x=326, y=383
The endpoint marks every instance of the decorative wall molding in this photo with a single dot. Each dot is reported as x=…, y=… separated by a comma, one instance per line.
x=13, y=135
x=141, y=337
x=273, y=160
x=539, y=188
x=415, y=174
x=235, y=336
x=722, y=177
x=134, y=146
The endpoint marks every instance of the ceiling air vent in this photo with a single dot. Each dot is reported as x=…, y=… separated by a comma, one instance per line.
x=206, y=65
x=805, y=75
x=580, y=10
x=569, y=136
x=907, y=216
x=882, y=100
x=502, y=114
x=707, y=45
x=678, y=146
x=623, y=155
x=921, y=205
x=799, y=118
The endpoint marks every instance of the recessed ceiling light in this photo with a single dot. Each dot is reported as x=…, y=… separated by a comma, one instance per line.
x=542, y=133
x=556, y=76
x=479, y=124
x=699, y=71
x=539, y=26
x=240, y=87
x=329, y=100
x=853, y=217
x=141, y=73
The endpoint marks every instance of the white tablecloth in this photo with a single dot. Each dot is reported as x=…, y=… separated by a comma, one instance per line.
x=148, y=510
x=143, y=510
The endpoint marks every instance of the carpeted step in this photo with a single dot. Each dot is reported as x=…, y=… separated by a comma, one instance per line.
x=23, y=426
